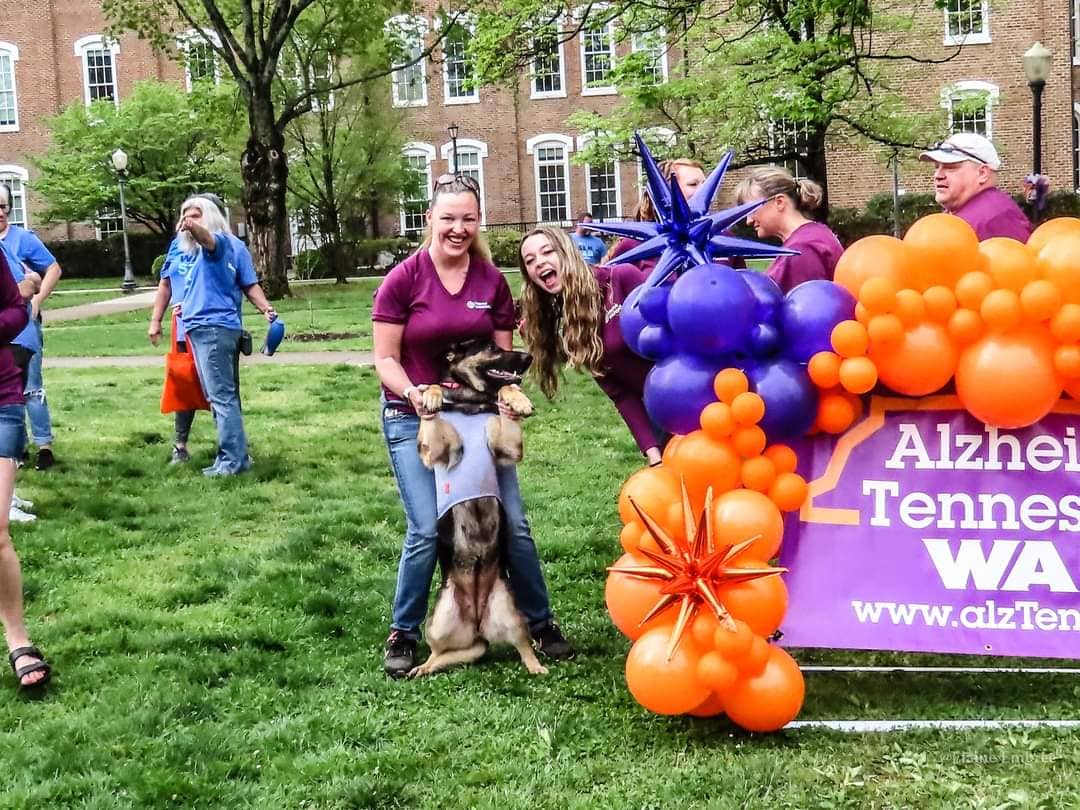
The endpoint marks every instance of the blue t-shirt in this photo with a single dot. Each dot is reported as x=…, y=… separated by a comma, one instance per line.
x=216, y=282
x=591, y=248
x=176, y=269
x=30, y=250
x=29, y=337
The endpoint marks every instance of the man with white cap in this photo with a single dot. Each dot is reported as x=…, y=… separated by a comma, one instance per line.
x=965, y=184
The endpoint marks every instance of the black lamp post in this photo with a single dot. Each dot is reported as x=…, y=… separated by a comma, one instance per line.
x=1036, y=68
x=453, y=130
x=119, y=162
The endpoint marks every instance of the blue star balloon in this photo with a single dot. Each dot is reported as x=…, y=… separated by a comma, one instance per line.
x=686, y=234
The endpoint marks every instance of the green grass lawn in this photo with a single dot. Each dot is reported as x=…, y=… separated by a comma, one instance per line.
x=218, y=643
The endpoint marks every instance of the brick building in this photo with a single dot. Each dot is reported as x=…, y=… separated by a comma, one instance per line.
x=517, y=143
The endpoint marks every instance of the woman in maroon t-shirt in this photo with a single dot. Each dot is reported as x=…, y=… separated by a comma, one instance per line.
x=446, y=292
x=571, y=317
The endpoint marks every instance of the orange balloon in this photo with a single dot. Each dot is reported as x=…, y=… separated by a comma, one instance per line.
x=835, y=414
x=1059, y=263
x=629, y=599
x=885, y=330
x=729, y=383
x=965, y=326
x=858, y=374
x=1073, y=388
x=972, y=288
x=824, y=369
x=856, y=405
x=748, y=408
x=1009, y=380
x=878, y=295
x=716, y=673
x=630, y=537
x=945, y=247
x=910, y=308
x=783, y=457
x=742, y=514
x=1065, y=325
x=1001, y=310
x=704, y=627
x=704, y=462
x=652, y=489
x=1049, y=230
x=940, y=303
x=733, y=643
x=1040, y=300
x=849, y=339
x=756, y=657
x=770, y=700
x=761, y=603
x=713, y=706
x=758, y=473
x=1067, y=360
x=788, y=491
x=661, y=685
x=873, y=257
x=670, y=449
x=862, y=314
x=1009, y=262
x=920, y=364
x=717, y=420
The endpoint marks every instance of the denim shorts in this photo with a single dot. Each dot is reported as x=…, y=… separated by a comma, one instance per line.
x=12, y=431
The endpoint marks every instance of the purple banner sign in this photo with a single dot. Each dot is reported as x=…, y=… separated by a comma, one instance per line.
x=926, y=530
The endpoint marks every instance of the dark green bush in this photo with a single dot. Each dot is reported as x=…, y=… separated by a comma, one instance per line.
x=504, y=244
x=92, y=258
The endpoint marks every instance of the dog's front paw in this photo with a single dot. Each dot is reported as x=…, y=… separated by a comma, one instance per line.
x=432, y=398
x=514, y=398
x=537, y=668
x=418, y=672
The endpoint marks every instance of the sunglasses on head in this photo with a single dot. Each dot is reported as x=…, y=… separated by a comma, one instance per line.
x=949, y=149
x=465, y=180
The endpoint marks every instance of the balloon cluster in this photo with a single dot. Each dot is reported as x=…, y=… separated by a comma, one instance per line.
x=1000, y=318
x=694, y=589
x=713, y=317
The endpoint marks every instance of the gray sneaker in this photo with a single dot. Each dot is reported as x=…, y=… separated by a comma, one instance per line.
x=399, y=655
x=17, y=515
x=179, y=455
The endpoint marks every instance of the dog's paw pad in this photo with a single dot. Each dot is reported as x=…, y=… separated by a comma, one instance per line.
x=432, y=398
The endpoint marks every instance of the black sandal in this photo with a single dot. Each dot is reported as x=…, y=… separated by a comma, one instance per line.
x=41, y=665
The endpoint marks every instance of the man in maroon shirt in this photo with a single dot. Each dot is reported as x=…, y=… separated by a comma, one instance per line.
x=965, y=184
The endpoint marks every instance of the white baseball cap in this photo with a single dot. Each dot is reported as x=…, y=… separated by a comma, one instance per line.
x=964, y=146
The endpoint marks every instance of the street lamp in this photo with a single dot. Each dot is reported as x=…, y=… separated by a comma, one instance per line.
x=119, y=162
x=1036, y=68
x=452, y=129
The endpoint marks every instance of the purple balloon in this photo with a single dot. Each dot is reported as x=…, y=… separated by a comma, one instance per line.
x=656, y=342
x=764, y=340
x=711, y=311
x=791, y=399
x=653, y=303
x=768, y=294
x=632, y=320
x=678, y=389
x=808, y=316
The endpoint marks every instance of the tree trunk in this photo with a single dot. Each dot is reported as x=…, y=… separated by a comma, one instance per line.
x=264, y=170
x=817, y=168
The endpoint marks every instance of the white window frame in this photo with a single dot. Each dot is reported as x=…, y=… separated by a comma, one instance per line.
x=1076, y=146
x=582, y=144
x=970, y=87
x=481, y=150
x=413, y=26
x=609, y=32
x=99, y=234
x=97, y=42
x=427, y=151
x=974, y=38
x=1076, y=32
x=637, y=45
x=193, y=37
x=561, y=92
x=544, y=140
x=474, y=96
x=12, y=52
x=23, y=176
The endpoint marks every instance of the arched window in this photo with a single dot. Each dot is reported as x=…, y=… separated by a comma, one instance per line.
x=15, y=177
x=551, y=162
x=971, y=106
x=9, y=106
x=470, y=161
x=98, y=57
x=419, y=156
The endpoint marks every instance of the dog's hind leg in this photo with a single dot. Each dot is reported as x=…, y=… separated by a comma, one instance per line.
x=504, y=622
x=449, y=658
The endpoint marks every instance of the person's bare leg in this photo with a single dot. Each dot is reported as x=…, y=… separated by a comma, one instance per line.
x=11, y=594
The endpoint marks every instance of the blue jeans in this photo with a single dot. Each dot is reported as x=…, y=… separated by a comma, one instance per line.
x=36, y=406
x=217, y=356
x=416, y=484
x=12, y=431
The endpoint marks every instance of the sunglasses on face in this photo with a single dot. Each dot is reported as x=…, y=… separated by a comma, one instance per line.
x=949, y=149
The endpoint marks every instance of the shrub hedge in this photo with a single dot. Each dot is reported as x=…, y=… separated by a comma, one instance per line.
x=93, y=258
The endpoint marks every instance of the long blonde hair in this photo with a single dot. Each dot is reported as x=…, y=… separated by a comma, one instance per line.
x=460, y=184
x=562, y=329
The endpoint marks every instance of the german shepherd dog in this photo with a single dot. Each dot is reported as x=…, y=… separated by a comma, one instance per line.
x=474, y=606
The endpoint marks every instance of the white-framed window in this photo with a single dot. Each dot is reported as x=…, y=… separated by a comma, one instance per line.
x=548, y=79
x=9, y=103
x=409, y=85
x=458, y=72
x=107, y=223
x=98, y=57
x=788, y=136
x=971, y=106
x=967, y=22
x=603, y=187
x=419, y=156
x=1076, y=145
x=654, y=45
x=15, y=177
x=470, y=161
x=597, y=57
x=551, y=162
x=200, y=60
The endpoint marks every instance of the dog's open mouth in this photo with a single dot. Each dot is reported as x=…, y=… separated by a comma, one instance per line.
x=504, y=376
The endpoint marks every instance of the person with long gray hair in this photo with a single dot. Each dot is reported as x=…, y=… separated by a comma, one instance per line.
x=220, y=276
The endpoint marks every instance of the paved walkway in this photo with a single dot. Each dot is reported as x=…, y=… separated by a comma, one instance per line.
x=256, y=359
x=127, y=303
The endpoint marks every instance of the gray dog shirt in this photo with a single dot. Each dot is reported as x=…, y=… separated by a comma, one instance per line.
x=474, y=476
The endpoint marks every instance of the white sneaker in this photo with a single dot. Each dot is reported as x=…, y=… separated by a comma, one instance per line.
x=17, y=515
x=22, y=503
